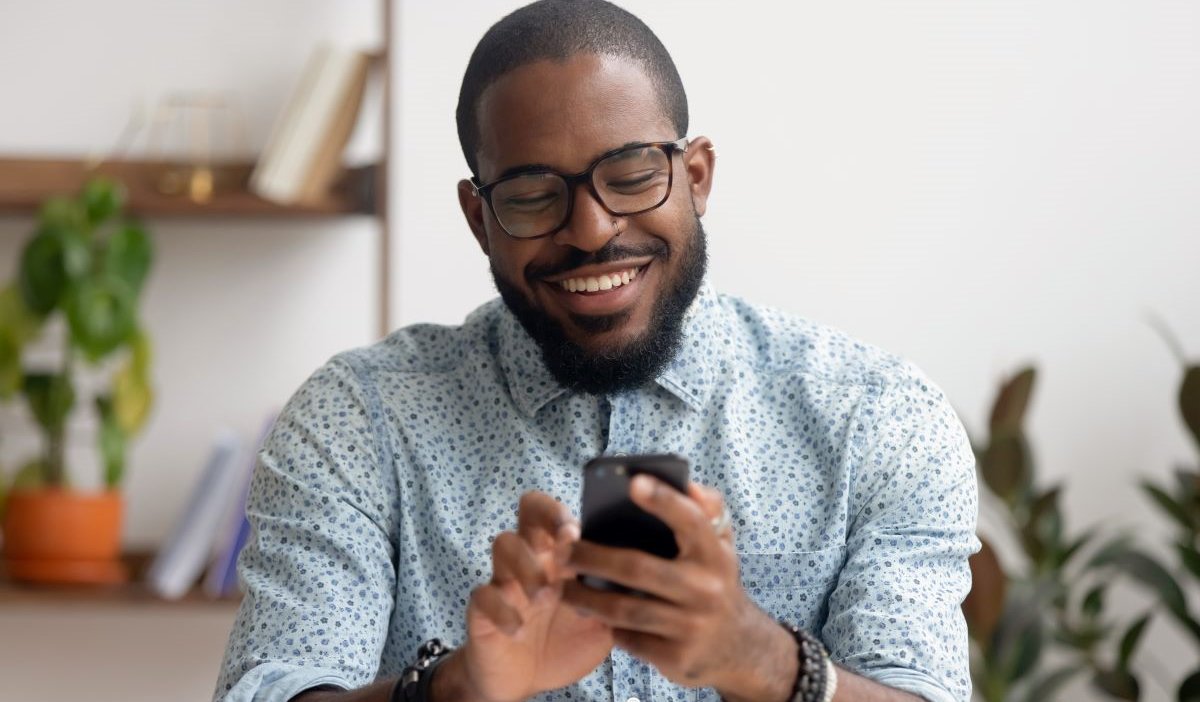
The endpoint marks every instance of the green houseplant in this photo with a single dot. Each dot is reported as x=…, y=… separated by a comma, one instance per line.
x=85, y=263
x=1055, y=599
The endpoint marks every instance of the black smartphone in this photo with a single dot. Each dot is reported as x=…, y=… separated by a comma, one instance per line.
x=609, y=517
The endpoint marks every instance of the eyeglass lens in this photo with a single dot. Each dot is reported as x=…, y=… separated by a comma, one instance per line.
x=627, y=182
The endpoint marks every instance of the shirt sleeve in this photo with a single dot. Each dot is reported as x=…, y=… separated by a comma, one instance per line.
x=895, y=615
x=319, y=568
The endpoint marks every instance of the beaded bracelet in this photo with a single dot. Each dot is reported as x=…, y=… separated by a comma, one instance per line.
x=816, y=680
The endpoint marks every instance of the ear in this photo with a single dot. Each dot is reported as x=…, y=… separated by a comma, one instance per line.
x=472, y=208
x=699, y=161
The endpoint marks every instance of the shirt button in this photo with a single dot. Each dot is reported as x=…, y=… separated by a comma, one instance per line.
x=633, y=699
x=621, y=454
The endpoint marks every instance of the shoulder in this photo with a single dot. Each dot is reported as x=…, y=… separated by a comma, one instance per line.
x=779, y=342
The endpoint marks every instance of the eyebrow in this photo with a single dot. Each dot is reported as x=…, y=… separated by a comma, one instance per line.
x=542, y=168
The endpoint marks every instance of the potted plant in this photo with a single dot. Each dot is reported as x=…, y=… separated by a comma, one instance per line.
x=85, y=264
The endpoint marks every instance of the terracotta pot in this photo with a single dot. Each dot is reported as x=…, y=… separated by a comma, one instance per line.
x=62, y=536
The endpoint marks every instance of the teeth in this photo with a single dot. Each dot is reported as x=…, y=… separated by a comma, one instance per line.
x=607, y=281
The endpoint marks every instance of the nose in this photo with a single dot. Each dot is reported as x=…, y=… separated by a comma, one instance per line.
x=590, y=226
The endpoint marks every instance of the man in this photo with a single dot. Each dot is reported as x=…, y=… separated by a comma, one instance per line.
x=427, y=486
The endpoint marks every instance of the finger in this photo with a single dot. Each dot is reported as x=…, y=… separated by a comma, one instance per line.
x=655, y=650
x=682, y=514
x=541, y=520
x=627, y=612
x=489, y=607
x=712, y=504
x=512, y=560
x=669, y=580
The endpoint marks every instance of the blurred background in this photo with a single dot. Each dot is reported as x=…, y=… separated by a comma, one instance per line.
x=979, y=187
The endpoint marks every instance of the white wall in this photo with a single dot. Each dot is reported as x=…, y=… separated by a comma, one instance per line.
x=972, y=185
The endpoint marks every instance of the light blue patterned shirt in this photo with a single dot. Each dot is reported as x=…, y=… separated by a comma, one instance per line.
x=376, y=497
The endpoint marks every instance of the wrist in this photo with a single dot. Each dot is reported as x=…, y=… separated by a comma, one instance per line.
x=452, y=681
x=769, y=670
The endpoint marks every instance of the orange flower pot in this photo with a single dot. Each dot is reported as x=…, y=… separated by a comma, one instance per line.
x=62, y=536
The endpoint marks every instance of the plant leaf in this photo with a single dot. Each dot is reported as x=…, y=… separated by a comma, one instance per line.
x=1048, y=685
x=1148, y=571
x=1189, y=400
x=51, y=398
x=1008, y=412
x=128, y=255
x=1093, y=601
x=1006, y=466
x=1117, y=683
x=31, y=476
x=1130, y=640
x=102, y=198
x=1189, y=557
x=112, y=442
x=101, y=314
x=1169, y=505
x=985, y=601
x=42, y=278
x=1110, y=552
x=1189, y=689
x=132, y=399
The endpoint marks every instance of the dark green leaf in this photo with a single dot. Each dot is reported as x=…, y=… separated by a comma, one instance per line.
x=1148, y=571
x=50, y=397
x=1048, y=685
x=1189, y=400
x=1189, y=689
x=1073, y=548
x=1117, y=683
x=62, y=212
x=1008, y=413
x=1168, y=504
x=128, y=254
x=42, y=278
x=1110, y=552
x=1006, y=466
x=1093, y=602
x=102, y=198
x=101, y=315
x=1129, y=641
x=10, y=365
x=1084, y=639
x=1189, y=557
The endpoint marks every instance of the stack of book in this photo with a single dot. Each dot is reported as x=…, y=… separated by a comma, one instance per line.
x=302, y=158
x=209, y=536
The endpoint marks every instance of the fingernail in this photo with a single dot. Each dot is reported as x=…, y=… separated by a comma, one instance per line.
x=642, y=486
x=569, y=531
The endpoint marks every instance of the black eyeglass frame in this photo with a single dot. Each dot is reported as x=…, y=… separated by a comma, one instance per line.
x=585, y=176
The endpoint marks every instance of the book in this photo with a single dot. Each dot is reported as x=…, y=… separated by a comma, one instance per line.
x=179, y=563
x=220, y=580
x=303, y=153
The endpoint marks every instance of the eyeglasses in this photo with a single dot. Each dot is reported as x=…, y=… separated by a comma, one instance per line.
x=626, y=181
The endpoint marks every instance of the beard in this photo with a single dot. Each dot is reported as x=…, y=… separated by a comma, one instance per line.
x=615, y=368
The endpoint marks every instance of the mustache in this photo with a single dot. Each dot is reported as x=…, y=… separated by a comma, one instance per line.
x=611, y=252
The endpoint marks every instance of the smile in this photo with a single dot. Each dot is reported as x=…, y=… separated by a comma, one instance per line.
x=597, y=283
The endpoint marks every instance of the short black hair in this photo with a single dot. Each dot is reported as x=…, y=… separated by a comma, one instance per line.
x=557, y=30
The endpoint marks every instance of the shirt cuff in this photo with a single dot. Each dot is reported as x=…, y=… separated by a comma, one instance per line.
x=910, y=681
x=279, y=682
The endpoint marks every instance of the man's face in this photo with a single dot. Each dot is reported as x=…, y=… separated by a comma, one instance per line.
x=562, y=116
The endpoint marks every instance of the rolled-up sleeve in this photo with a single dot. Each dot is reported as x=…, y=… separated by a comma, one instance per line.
x=320, y=565
x=895, y=615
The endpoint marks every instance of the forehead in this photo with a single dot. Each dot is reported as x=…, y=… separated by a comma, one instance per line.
x=564, y=114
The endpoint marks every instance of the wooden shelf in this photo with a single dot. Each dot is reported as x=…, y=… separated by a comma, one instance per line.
x=132, y=594
x=25, y=183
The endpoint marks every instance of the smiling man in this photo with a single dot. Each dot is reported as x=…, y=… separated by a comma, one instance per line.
x=423, y=491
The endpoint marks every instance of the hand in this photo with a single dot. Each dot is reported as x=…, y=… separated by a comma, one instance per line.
x=699, y=629
x=521, y=638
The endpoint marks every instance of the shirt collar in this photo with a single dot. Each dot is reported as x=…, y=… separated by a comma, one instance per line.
x=689, y=376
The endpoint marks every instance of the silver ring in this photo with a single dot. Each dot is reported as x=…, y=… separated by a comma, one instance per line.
x=723, y=522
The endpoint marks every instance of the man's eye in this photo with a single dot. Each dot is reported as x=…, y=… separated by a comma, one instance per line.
x=632, y=181
x=530, y=201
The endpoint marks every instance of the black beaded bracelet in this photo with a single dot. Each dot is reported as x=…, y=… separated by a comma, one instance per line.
x=812, y=677
x=413, y=685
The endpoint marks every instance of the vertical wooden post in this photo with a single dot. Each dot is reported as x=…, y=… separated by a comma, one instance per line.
x=382, y=195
